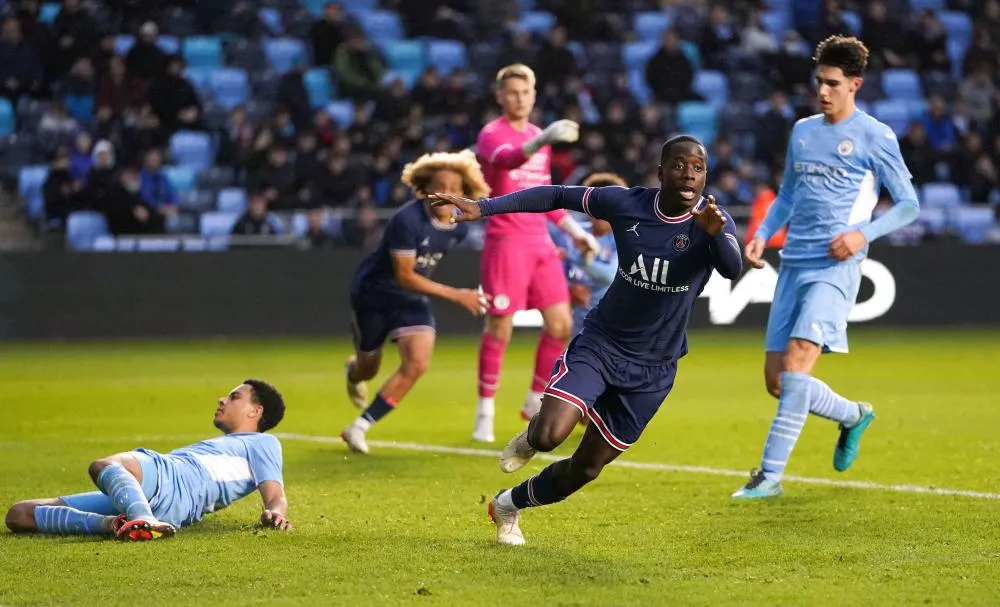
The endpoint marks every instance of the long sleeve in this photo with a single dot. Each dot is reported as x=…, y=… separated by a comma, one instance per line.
x=603, y=272
x=494, y=150
x=724, y=251
x=540, y=199
x=892, y=172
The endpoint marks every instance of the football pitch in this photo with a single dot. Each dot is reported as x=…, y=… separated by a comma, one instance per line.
x=914, y=522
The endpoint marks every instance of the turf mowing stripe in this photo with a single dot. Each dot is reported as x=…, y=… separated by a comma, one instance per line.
x=659, y=467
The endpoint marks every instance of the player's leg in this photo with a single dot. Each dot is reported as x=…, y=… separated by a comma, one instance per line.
x=91, y=514
x=369, y=332
x=549, y=293
x=129, y=482
x=415, y=350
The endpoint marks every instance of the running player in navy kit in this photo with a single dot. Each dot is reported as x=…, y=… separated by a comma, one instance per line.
x=389, y=294
x=621, y=367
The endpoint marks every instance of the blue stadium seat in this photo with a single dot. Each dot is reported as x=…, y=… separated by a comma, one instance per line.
x=200, y=77
x=8, y=124
x=123, y=44
x=918, y=108
x=405, y=55
x=342, y=112
x=48, y=12
x=447, y=55
x=354, y=6
x=380, y=25
x=104, y=244
x=940, y=194
x=30, y=180
x=232, y=200
x=315, y=7
x=649, y=26
x=162, y=244
x=934, y=219
x=197, y=200
x=216, y=223
x=203, y=51
x=956, y=53
x=537, y=22
x=192, y=149
x=80, y=107
x=272, y=20
x=300, y=224
x=922, y=5
x=181, y=177
x=895, y=113
x=693, y=54
x=285, y=53
x=83, y=227
x=318, y=86
x=713, y=86
x=974, y=223
x=635, y=55
x=902, y=84
x=776, y=22
x=409, y=77
x=170, y=45
x=738, y=118
x=230, y=87
x=698, y=119
x=958, y=24
x=638, y=86
x=853, y=21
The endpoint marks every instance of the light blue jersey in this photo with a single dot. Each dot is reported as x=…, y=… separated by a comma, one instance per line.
x=597, y=275
x=833, y=175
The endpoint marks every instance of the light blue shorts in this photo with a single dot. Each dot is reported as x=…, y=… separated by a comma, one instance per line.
x=813, y=304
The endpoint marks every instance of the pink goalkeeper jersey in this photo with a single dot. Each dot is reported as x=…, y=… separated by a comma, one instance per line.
x=507, y=170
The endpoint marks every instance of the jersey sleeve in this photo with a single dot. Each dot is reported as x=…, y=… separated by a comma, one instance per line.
x=265, y=459
x=400, y=238
x=602, y=203
x=492, y=149
x=724, y=250
x=891, y=171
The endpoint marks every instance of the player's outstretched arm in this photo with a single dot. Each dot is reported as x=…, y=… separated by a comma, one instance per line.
x=539, y=199
x=404, y=268
x=275, y=506
x=503, y=155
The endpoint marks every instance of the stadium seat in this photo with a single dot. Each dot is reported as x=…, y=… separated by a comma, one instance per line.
x=83, y=227
x=229, y=87
x=635, y=55
x=902, y=84
x=272, y=20
x=698, y=119
x=342, y=112
x=713, y=86
x=934, y=219
x=192, y=149
x=80, y=107
x=380, y=25
x=405, y=55
x=974, y=224
x=216, y=223
x=197, y=201
x=853, y=21
x=895, y=113
x=738, y=118
x=447, y=55
x=318, y=86
x=300, y=224
x=181, y=177
x=776, y=22
x=537, y=22
x=30, y=180
x=638, y=86
x=958, y=24
x=354, y=6
x=104, y=244
x=408, y=77
x=940, y=194
x=203, y=51
x=216, y=178
x=47, y=12
x=315, y=7
x=693, y=54
x=199, y=77
x=923, y=5
x=123, y=44
x=232, y=200
x=169, y=44
x=246, y=54
x=7, y=122
x=649, y=26
x=284, y=54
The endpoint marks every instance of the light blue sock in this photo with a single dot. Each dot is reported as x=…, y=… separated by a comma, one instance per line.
x=66, y=520
x=124, y=490
x=827, y=403
x=793, y=409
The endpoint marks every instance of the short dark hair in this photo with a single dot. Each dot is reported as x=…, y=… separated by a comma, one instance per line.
x=846, y=52
x=267, y=396
x=598, y=180
x=669, y=143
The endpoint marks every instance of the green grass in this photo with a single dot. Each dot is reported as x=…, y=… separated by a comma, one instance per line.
x=401, y=527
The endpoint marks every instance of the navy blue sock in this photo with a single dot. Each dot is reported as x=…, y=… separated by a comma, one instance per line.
x=379, y=408
x=538, y=490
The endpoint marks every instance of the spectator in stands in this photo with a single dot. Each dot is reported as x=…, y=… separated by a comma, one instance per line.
x=939, y=127
x=989, y=19
x=257, y=221
x=977, y=94
x=427, y=92
x=555, y=61
x=963, y=161
x=982, y=51
x=323, y=126
x=75, y=34
x=292, y=95
x=755, y=39
x=125, y=210
x=718, y=37
x=282, y=126
x=154, y=188
x=362, y=134
x=81, y=157
x=103, y=53
x=144, y=133
x=436, y=18
x=116, y=90
x=235, y=138
x=145, y=61
x=517, y=48
x=984, y=179
x=831, y=22
x=773, y=127
x=317, y=236
x=729, y=191
x=174, y=99
x=61, y=190
x=308, y=163
x=358, y=67
x=617, y=126
x=884, y=37
x=363, y=230
x=327, y=34
x=56, y=121
x=21, y=69
x=80, y=81
x=277, y=179
x=919, y=154
x=722, y=156
x=669, y=73
x=335, y=185
x=928, y=43
x=791, y=70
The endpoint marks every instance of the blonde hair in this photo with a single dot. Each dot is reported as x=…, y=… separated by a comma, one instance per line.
x=419, y=173
x=597, y=180
x=516, y=70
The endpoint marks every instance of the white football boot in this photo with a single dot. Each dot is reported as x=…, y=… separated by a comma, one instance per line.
x=356, y=391
x=517, y=453
x=505, y=519
x=355, y=439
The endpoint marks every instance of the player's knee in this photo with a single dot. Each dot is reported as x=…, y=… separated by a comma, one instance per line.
x=588, y=473
x=560, y=328
x=773, y=385
x=500, y=328
x=94, y=470
x=415, y=367
x=544, y=437
x=21, y=517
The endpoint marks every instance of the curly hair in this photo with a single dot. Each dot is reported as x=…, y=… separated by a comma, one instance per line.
x=267, y=396
x=597, y=180
x=419, y=173
x=846, y=52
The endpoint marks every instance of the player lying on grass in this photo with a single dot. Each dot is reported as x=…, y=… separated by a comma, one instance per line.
x=145, y=495
x=621, y=367
x=389, y=294
x=837, y=161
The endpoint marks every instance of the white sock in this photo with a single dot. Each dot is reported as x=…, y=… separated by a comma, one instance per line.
x=505, y=501
x=362, y=423
x=485, y=407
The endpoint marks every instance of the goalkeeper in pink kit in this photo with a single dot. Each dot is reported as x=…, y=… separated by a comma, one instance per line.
x=520, y=267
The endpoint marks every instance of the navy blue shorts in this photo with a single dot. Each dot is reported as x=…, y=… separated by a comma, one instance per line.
x=375, y=323
x=620, y=396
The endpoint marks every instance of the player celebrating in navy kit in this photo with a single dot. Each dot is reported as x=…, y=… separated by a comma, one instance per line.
x=621, y=367
x=389, y=294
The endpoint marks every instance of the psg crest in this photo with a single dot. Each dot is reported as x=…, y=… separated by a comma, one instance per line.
x=681, y=242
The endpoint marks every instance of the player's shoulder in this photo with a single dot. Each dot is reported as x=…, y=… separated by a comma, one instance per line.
x=875, y=128
x=494, y=127
x=409, y=212
x=263, y=441
x=617, y=192
x=809, y=122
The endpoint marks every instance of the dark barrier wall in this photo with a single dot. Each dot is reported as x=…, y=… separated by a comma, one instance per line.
x=268, y=292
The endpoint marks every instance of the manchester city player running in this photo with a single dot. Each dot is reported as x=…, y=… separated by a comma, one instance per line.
x=389, y=295
x=835, y=165
x=621, y=367
x=145, y=495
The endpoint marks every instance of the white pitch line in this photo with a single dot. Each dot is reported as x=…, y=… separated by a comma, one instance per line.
x=658, y=467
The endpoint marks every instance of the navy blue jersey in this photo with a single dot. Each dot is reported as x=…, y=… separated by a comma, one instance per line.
x=663, y=265
x=412, y=231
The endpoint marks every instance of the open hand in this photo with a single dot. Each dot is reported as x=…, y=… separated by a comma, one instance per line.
x=473, y=300
x=276, y=520
x=586, y=243
x=469, y=208
x=845, y=246
x=754, y=251
x=709, y=217
x=561, y=131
